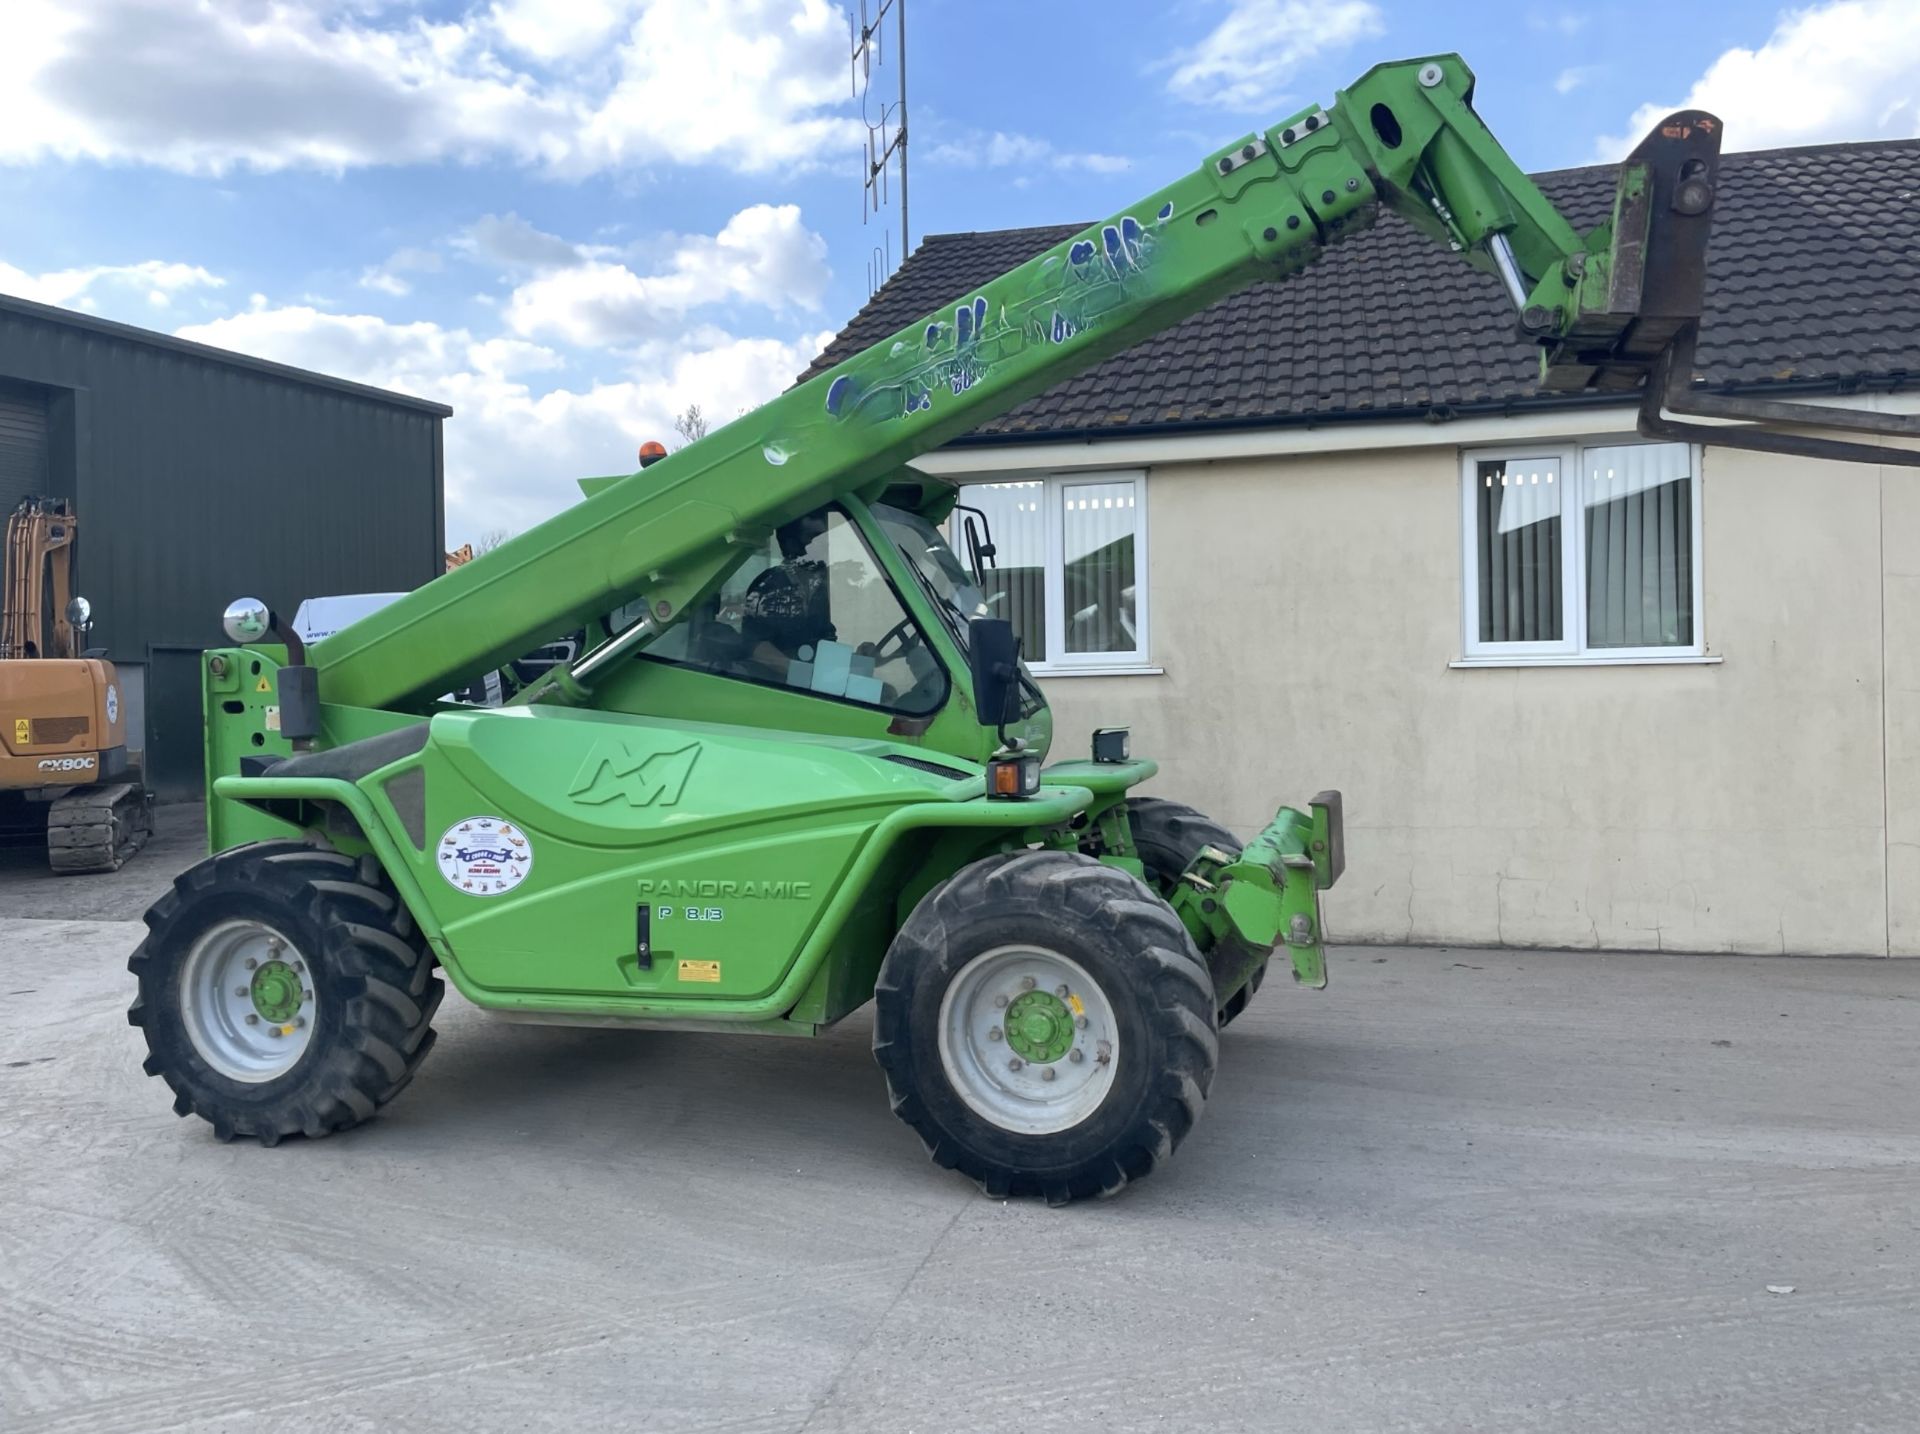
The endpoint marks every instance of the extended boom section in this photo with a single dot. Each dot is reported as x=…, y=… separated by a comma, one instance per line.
x=1261, y=209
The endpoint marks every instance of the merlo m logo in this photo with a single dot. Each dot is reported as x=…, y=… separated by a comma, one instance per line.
x=611, y=771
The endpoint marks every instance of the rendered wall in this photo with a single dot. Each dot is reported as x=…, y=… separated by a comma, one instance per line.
x=1305, y=610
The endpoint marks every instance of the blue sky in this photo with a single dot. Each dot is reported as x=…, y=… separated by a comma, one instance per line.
x=571, y=218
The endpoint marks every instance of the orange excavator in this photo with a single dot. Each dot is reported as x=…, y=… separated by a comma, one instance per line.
x=64, y=768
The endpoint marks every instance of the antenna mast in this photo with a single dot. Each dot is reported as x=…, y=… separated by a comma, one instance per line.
x=886, y=125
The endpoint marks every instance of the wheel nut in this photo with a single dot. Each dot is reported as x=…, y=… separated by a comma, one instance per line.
x=274, y=1031
x=1027, y=983
x=994, y=1034
x=999, y=1000
x=1061, y=990
x=252, y=1020
x=306, y=995
x=300, y=1023
x=1076, y=1055
x=251, y=964
x=1047, y=1074
x=1015, y=1064
x=239, y=990
x=1080, y=1021
x=299, y=968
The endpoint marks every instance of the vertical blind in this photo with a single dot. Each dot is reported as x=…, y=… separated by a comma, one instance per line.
x=1097, y=526
x=1639, y=522
x=1518, y=531
x=1016, y=586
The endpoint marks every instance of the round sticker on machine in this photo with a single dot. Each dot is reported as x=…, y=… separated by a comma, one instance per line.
x=113, y=703
x=484, y=856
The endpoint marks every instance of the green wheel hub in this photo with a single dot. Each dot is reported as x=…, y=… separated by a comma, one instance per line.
x=1039, y=1027
x=276, y=992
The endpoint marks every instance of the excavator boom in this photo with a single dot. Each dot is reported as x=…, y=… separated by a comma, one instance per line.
x=39, y=556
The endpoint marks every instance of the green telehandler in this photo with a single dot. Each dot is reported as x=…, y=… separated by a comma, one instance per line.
x=796, y=766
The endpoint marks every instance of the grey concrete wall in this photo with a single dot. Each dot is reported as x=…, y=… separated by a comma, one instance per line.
x=1305, y=610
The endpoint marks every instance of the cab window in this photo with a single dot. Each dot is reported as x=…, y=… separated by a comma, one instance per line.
x=812, y=611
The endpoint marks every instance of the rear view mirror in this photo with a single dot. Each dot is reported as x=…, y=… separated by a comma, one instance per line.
x=994, y=654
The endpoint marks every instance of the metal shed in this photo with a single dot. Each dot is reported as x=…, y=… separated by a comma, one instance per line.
x=199, y=475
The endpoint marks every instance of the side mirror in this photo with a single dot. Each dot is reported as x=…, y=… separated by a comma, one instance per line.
x=247, y=620
x=79, y=614
x=994, y=656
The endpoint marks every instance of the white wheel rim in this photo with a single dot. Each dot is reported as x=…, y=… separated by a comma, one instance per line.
x=1009, y=1078
x=236, y=979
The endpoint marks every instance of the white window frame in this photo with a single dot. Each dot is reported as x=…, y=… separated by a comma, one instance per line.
x=1054, y=575
x=1571, y=649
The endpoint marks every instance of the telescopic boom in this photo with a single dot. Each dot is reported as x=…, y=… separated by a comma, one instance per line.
x=1604, y=306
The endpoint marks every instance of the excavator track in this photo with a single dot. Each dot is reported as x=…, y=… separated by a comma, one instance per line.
x=97, y=828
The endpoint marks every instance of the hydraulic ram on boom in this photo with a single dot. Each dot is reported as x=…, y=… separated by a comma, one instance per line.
x=1404, y=137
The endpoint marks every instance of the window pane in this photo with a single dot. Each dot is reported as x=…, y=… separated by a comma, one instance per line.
x=1098, y=527
x=1639, y=519
x=1517, y=525
x=813, y=611
x=1016, y=583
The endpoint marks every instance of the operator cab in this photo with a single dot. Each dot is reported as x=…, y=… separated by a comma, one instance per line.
x=816, y=610
x=812, y=609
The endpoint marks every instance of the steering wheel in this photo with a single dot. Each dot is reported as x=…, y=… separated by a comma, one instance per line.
x=878, y=650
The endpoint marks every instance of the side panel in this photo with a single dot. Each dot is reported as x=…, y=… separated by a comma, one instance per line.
x=55, y=721
x=240, y=714
x=557, y=844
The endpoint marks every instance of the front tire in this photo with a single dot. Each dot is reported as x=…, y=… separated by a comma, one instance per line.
x=1168, y=836
x=284, y=990
x=1046, y=1026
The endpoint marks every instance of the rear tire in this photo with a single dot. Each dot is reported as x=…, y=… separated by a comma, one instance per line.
x=1168, y=836
x=284, y=990
x=1130, y=1047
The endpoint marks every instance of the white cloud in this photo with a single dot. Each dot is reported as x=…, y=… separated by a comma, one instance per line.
x=515, y=449
x=1573, y=77
x=764, y=255
x=552, y=30
x=85, y=288
x=511, y=242
x=997, y=149
x=384, y=281
x=386, y=278
x=1838, y=71
x=1251, y=58
x=1565, y=23
x=752, y=85
x=569, y=86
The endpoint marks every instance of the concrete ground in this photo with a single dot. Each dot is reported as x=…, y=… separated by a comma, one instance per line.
x=1459, y=1190
x=29, y=889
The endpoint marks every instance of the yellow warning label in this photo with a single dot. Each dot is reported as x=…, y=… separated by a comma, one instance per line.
x=1079, y=1006
x=263, y=686
x=21, y=732
x=699, y=970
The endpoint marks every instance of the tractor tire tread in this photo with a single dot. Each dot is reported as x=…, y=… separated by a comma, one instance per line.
x=381, y=973
x=1172, y=977
x=1168, y=835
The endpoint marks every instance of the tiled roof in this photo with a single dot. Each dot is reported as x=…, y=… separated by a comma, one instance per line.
x=1813, y=276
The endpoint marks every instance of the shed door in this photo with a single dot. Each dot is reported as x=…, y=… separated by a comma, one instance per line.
x=23, y=444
